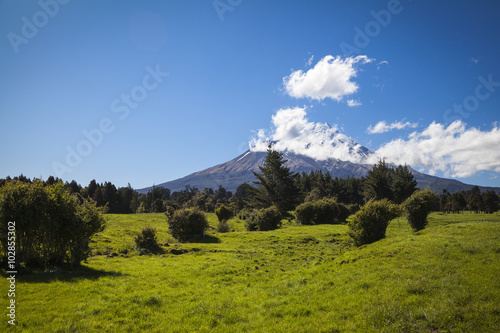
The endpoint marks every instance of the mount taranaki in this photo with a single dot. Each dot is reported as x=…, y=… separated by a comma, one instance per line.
x=239, y=170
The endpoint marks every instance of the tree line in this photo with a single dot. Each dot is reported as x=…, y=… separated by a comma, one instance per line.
x=276, y=185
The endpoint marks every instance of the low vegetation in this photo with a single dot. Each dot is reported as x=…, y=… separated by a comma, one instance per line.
x=325, y=210
x=369, y=224
x=187, y=223
x=54, y=227
x=293, y=279
x=418, y=206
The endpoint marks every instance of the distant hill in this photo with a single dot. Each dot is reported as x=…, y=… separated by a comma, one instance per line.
x=239, y=170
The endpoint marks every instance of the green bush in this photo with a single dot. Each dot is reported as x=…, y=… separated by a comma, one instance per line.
x=325, y=210
x=370, y=222
x=305, y=213
x=53, y=227
x=264, y=219
x=250, y=217
x=146, y=239
x=223, y=213
x=269, y=218
x=418, y=206
x=222, y=227
x=186, y=223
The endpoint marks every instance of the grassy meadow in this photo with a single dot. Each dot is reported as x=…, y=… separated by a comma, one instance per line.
x=445, y=278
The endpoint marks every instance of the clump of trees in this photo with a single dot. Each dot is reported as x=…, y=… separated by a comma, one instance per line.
x=370, y=223
x=386, y=182
x=472, y=200
x=53, y=226
x=418, y=206
x=187, y=223
x=325, y=210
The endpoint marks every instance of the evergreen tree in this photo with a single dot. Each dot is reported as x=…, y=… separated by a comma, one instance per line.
x=378, y=183
x=276, y=183
x=490, y=201
x=403, y=184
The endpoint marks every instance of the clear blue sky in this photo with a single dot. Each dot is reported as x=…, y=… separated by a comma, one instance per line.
x=101, y=67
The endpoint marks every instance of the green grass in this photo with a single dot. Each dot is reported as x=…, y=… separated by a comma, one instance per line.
x=295, y=279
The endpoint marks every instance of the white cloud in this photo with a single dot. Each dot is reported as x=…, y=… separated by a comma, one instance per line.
x=352, y=103
x=454, y=150
x=310, y=61
x=329, y=78
x=295, y=133
x=382, y=126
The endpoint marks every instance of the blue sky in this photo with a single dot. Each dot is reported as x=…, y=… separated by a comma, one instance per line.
x=147, y=92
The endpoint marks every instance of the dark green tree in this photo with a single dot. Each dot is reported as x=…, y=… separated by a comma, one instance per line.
x=490, y=201
x=378, y=183
x=417, y=207
x=403, y=184
x=53, y=226
x=276, y=184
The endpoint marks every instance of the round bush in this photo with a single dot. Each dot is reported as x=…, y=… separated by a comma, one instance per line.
x=417, y=207
x=146, y=239
x=269, y=218
x=186, y=223
x=223, y=227
x=305, y=213
x=370, y=222
x=264, y=219
x=325, y=210
x=54, y=227
x=223, y=213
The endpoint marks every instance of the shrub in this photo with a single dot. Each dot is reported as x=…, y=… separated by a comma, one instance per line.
x=370, y=222
x=325, y=210
x=223, y=213
x=250, y=217
x=418, y=206
x=222, y=227
x=269, y=218
x=147, y=239
x=264, y=219
x=305, y=213
x=53, y=226
x=186, y=223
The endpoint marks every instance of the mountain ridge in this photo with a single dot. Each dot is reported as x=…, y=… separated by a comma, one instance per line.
x=240, y=170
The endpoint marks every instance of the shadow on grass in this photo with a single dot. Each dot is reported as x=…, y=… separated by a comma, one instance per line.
x=67, y=274
x=203, y=239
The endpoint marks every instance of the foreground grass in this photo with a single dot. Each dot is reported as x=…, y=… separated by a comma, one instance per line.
x=296, y=279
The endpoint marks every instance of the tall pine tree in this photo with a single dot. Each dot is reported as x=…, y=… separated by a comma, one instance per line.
x=276, y=184
x=378, y=182
x=403, y=184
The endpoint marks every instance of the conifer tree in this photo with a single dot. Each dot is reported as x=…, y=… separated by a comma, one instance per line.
x=378, y=183
x=403, y=184
x=276, y=183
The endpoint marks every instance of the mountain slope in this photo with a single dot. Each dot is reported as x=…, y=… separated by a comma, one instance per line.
x=239, y=170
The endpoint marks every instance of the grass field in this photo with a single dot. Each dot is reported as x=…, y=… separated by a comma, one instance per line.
x=445, y=278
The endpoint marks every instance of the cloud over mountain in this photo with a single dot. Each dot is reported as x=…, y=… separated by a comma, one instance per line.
x=455, y=150
x=329, y=78
x=382, y=126
x=294, y=132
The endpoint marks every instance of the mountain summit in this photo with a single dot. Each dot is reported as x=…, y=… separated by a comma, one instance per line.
x=239, y=170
